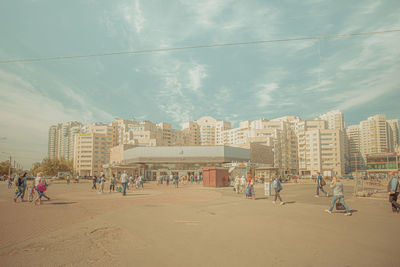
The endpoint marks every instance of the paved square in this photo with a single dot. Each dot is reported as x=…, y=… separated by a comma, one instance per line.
x=194, y=226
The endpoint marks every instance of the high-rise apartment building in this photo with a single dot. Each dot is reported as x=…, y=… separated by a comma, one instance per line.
x=374, y=135
x=92, y=148
x=53, y=142
x=191, y=132
x=61, y=140
x=302, y=147
x=356, y=159
x=334, y=118
x=205, y=131
x=394, y=129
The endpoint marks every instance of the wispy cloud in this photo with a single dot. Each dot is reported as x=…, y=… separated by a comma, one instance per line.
x=367, y=90
x=133, y=15
x=196, y=74
x=27, y=114
x=207, y=11
x=264, y=95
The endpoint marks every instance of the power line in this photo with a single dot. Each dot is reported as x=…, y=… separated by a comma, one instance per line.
x=149, y=51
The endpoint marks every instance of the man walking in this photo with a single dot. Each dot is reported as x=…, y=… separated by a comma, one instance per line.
x=124, y=182
x=320, y=185
x=113, y=181
x=237, y=184
x=338, y=195
x=393, y=188
x=242, y=184
x=276, y=184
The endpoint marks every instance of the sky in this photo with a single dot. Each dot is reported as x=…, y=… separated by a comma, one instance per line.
x=358, y=76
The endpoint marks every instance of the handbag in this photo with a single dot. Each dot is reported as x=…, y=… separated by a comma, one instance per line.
x=322, y=182
x=339, y=206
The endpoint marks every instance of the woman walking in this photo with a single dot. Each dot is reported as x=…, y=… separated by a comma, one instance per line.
x=237, y=184
x=113, y=181
x=338, y=195
x=40, y=188
x=94, y=180
x=276, y=184
x=102, y=181
x=21, y=184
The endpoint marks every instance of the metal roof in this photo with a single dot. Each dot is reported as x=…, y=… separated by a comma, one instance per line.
x=186, y=154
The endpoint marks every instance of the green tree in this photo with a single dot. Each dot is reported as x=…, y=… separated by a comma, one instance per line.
x=4, y=167
x=51, y=167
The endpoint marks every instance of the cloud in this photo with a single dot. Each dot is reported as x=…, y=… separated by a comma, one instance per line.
x=205, y=12
x=196, y=74
x=27, y=114
x=322, y=86
x=264, y=95
x=368, y=89
x=370, y=8
x=133, y=15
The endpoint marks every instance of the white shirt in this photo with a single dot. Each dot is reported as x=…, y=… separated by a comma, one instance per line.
x=37, y=180
x=124, y=178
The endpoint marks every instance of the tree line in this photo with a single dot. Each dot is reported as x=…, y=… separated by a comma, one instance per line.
x=51, y=167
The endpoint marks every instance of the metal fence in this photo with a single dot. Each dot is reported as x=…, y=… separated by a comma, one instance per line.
x=370, y=186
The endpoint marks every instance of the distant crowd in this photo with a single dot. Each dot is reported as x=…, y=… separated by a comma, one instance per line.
x=36, y=188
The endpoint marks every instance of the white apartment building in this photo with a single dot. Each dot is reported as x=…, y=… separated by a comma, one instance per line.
x=374, y=135
x=92, y=149
x=356, y=160
x=205, y=131
x=61, y=140
x=334, y=118
x=394, y=130
x=53, y=142
x=191, y=132
x=276, y=134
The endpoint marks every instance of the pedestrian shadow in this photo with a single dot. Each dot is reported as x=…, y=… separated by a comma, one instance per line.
x=343, y=211
x=290, y=202
x=132, y=195
x=62, y=203
x=259, y=198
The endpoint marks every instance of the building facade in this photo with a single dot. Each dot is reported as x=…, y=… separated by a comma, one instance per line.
x=61, y=140
x=92, y=149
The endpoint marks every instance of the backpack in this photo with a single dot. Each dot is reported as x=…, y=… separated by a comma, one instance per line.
x=389, y=186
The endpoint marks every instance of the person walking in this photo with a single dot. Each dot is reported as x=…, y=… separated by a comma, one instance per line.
x=124, y=182
x=338, y=195
x=101, y=183
x=113, y=181
x=176, y=180
x=31, y=190
x=68, y=179
x=277, y=186
x=9, y=181
x=393, y=188
x=94, y=180
x=141, y=181
x=19, y=182
x=40, y=188
x=242, y=184
x=320, y=185
x=237, y=184
x=24, y=183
